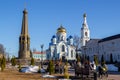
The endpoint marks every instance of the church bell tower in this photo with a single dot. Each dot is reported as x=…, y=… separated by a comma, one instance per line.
x=85, y=32
x=24, y=39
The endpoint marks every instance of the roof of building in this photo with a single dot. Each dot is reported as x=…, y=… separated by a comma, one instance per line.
x=70, y=37
x=53, y=36
x=38, y=52
x=95, y=39
x=110, y=38
x=92, y=41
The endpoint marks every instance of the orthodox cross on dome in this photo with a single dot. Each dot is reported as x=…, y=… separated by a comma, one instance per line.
x=61, y=26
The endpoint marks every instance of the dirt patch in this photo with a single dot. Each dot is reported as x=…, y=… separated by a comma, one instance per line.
x=9, y=74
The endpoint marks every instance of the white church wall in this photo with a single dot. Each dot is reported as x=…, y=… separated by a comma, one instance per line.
x=110, y=47
x=91, y=49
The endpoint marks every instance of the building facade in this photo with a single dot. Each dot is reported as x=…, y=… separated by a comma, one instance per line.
x=91, y=48
x=61, y=47
x=24, y=39
x=39, y=55
x=109, y=47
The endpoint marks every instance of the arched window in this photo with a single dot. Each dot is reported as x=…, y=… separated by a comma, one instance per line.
x=62, y=38
x=86, y=41
x=58, y=37
x=86, y=34
x=63, y=48
x=71, y=53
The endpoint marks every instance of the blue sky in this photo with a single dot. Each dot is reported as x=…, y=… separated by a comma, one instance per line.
x=45, y=16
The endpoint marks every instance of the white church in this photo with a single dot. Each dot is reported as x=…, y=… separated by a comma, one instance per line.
x=61, y=47
x=109, y=46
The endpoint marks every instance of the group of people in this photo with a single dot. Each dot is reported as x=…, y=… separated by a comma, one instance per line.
x=90, y=65
x=101, y=69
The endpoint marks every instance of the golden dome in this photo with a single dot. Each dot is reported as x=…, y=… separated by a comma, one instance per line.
x=61, y=29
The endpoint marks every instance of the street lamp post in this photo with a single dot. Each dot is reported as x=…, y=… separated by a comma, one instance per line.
x=41, y=52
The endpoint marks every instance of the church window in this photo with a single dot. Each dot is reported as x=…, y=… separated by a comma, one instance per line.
x=23, y=38
x=89, y=50
x=63, y=48
x=47, y=56
x=28, y=38
x=58, y=37
x=86, y=34
x=62, y=38
x=118, y=56
x=102, y=47
x=67, y=54
x=113, y=43
x=86, y=41
x=71, y=53
x=58, y=56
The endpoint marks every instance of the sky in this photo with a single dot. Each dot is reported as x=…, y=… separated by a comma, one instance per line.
x=45, y=16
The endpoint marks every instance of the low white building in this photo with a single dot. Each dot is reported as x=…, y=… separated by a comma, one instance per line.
x=110, y=46
x=39, y=55
x=91, y=48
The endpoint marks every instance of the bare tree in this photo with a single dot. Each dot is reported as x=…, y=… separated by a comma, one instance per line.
x=76, y=39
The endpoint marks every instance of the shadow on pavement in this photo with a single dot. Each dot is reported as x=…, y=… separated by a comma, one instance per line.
x=114, y=72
